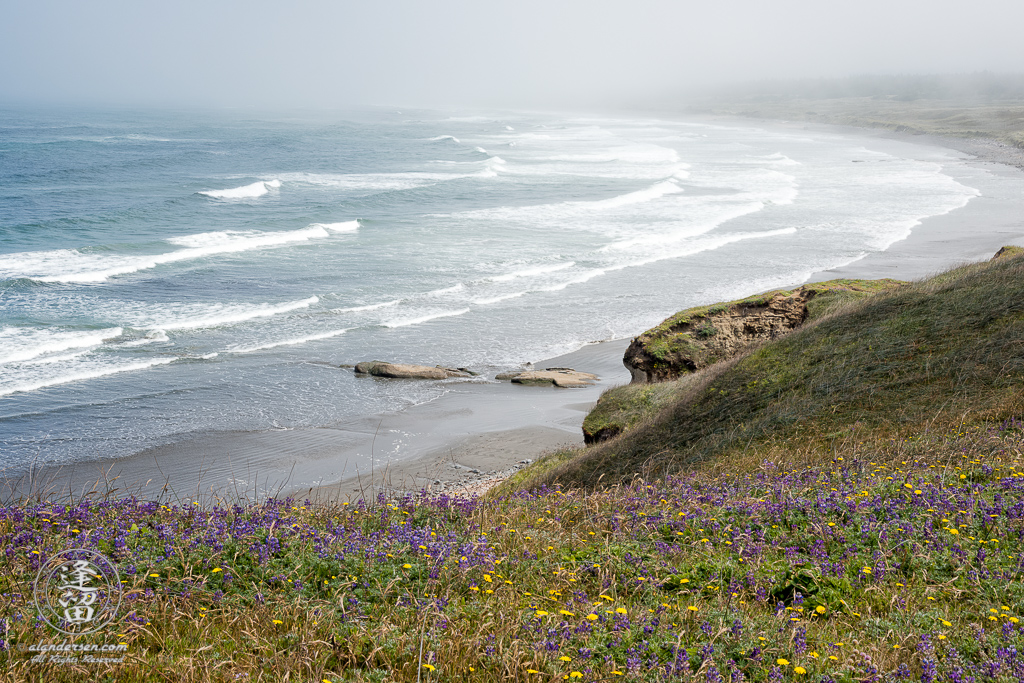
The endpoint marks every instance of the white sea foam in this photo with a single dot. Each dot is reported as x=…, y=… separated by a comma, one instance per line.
x=446, y=290
x=440, y=138
x=257, y=189
x=495, y=299
x=71, y=265
x=368, y=307
x=640, y=196
x=530, y=272
x=21, y=344
x=218, y=315
x=289, y=342
x=346, y=226
x=405, y=322
x=78, y=376
x=151, y=337
x=579, y=279
x=46, y=360
x=480, y=149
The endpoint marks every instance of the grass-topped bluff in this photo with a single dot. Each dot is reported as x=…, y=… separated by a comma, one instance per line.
x=865, y=359
x=843, y=504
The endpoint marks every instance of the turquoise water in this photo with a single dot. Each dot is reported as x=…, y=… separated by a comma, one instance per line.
x=167, y=273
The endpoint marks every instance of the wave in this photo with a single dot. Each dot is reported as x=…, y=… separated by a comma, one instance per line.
x=496, y=299
x=368, y=307
x=440, y=138
x=579, y=279
x=346, y=226
x=446, y=290
x=150, y=338
x=289, y=342
x=220, y=315
x=46, y=360
x=257, y=189
x=491, y=167
x=71, y=265
x=706, y=244
x=422, y=319
x=529, y=272
x=640, y=196
x=21, y=345
x=36, y=384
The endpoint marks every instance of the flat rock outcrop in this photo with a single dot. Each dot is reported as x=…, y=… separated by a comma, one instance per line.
x=379, y=368
x=560, y=377
x=698, y=337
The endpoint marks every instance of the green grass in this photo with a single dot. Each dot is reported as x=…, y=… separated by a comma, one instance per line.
x=939, y=352
x=681, y=339
x=844, y=504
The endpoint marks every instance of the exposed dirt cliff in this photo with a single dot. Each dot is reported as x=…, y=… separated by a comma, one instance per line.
x=701, y=336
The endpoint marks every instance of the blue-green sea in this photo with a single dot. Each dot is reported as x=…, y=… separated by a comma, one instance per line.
x=164, y=273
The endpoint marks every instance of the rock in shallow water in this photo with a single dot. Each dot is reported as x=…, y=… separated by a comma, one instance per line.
x=406, y=371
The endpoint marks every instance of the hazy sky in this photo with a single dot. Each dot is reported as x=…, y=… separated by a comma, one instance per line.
x=490, y=52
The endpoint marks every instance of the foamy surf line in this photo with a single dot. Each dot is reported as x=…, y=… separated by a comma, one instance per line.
x=368, y=307
x=72, y=266
x=529, y=272
x=81, y=376
x=346, y=226
x=422, y=319
x=39, y=343
x=228, y=316
x=289, y=342
x=257, y=189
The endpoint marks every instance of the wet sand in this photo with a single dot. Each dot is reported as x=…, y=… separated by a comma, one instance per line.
x=482, y=430
x=481, y=425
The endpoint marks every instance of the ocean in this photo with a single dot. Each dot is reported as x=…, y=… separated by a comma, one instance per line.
x=164, y=274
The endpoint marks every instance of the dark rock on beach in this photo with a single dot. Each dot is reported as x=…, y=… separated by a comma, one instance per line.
x=407, y=371
x=559, y=377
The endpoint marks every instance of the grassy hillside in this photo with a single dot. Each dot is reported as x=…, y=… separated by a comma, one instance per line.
x=927, y=356
x=848, y=507
x=703, y=335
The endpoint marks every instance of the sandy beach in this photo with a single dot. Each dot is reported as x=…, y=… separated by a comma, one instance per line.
x=481, y=430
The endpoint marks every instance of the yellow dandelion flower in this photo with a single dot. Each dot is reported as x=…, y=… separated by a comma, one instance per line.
x=429, y=667
x=541, y=613
x=820, y=609
x=406, y=566
x=563, y=658
x=799, y=670
x=782, y=662
x=620, y=610
x=592, y=617
x=278, y=621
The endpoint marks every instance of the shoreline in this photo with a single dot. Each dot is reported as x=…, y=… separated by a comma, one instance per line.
x=480, y=431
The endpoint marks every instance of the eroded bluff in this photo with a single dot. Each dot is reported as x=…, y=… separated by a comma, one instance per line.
x=698, y=337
